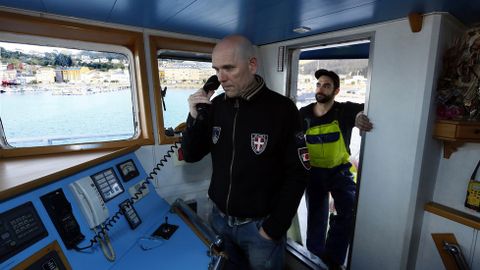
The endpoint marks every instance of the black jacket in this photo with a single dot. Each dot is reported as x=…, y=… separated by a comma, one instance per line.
x=254, y=145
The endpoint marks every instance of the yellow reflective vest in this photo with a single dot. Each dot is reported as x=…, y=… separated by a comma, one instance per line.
x=326, y=147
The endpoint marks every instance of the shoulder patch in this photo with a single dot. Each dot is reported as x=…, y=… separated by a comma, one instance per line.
x=304, y=157
x=216, y=134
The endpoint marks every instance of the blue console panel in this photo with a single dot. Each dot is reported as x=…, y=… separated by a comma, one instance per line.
x=133, y=248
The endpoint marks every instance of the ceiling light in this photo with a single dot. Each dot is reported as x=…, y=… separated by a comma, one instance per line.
x=302, y=29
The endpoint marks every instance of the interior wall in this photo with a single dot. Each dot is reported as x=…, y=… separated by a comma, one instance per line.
x=453, y=176
x=390, y=174
x=448, y=30
x=400, y=96
x=188, y=181
x=450, y=190
x=428, y=256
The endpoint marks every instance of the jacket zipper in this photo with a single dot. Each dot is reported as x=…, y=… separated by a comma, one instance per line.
x=236, y=106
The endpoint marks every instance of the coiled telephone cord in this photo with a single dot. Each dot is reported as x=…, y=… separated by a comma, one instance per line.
x=108, y=224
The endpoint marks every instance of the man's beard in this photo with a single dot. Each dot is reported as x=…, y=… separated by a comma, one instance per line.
x=321, y=98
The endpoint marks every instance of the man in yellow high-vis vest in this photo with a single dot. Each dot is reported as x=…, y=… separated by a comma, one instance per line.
x=328, y=126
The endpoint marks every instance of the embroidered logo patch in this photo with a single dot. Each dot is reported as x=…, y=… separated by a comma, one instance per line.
x=304, y=157
x=216, y=134
x=258, y=142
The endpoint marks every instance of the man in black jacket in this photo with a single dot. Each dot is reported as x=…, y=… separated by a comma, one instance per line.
x=256, y=143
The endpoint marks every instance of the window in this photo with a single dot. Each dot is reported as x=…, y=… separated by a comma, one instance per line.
x=181, y=78
x=68, y=86
x=57, y=95
x=182, y=67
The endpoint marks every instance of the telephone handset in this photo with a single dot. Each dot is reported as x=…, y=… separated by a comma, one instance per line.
x=212, y=84
x=91, y=203
x=472, y=200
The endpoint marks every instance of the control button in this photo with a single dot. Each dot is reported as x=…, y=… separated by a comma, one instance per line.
x=5, y=235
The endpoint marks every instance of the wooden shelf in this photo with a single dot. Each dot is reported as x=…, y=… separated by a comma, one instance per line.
x=22, y=174
x=453, y=214
x=455, y=133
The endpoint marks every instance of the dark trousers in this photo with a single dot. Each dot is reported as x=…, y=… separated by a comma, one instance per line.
x=339, y=182
x=246, y=248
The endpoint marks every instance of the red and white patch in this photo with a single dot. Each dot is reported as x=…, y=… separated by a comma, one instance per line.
x=304, y=157
x=258, y=142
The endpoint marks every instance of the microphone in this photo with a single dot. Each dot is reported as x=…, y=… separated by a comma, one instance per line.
x=212, y=84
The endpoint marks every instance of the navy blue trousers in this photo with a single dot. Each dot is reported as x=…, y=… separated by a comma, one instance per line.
x=339, y=182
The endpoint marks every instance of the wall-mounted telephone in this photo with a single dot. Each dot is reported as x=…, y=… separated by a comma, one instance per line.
x=95, y=211
x=91, y=203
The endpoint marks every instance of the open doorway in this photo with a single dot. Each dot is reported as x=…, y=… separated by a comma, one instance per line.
x=350, y=60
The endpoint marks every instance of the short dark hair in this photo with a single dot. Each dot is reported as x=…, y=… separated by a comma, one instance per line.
x=332, y=75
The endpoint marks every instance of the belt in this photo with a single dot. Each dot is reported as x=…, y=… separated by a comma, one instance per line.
x=235, y=221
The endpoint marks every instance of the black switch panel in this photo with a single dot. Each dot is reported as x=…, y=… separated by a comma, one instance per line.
x=60, y=211
x=20, y=228
x=130, y=214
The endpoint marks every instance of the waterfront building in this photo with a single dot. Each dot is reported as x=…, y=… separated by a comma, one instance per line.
x=70, y=73
x=45, y=75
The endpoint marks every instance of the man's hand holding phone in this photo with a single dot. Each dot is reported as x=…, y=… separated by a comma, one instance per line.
x=200, y=100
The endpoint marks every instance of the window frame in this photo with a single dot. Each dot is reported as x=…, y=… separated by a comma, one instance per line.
x=71, y=32
x=157, y=44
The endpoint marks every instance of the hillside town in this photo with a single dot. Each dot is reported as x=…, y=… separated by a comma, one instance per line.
x=85, y=72
x=67, y=74
x=83, y=78
x=184, y=74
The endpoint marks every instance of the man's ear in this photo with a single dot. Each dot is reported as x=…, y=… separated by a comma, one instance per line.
x=337, y=91
x=252, y=65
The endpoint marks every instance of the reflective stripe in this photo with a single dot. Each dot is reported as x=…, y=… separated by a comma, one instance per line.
x=323, y=138
x=326, y=147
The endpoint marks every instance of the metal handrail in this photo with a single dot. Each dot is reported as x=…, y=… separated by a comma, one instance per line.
x=208, y=236
x=205, y=229
x=456, y=253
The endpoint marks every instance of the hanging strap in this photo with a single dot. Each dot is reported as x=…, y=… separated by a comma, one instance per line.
x=475, y=171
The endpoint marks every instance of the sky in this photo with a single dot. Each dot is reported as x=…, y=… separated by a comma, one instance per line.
x=26, y=48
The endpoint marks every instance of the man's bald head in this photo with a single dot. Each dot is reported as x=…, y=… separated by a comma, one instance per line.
x=240, y=44
x=234, y=60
